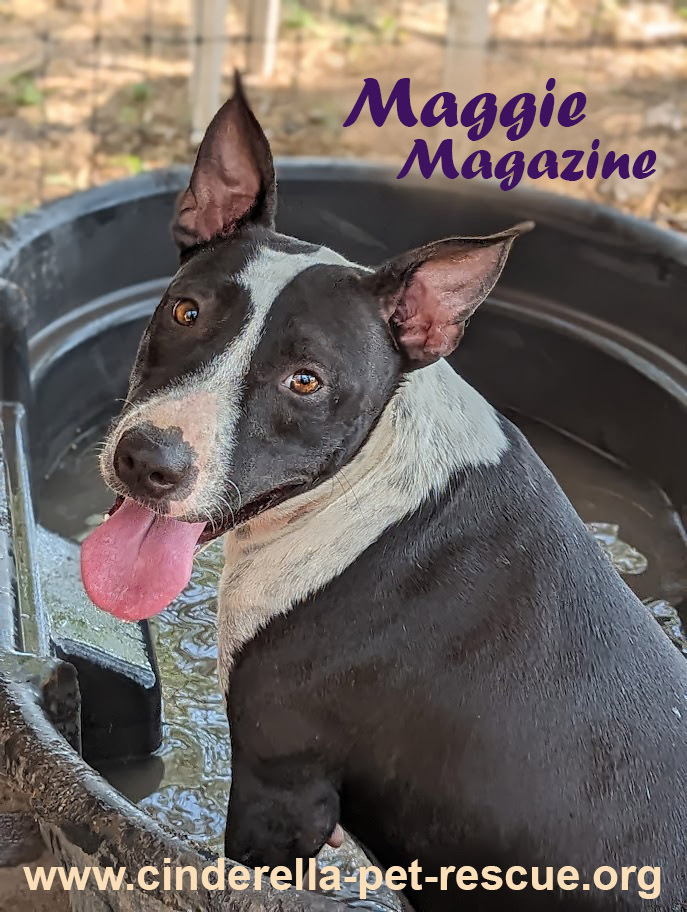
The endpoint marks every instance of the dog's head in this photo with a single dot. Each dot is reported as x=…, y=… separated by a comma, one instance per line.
x=263, y=369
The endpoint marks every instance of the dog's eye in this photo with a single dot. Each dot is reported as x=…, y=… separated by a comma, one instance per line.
x=185, y=312
x=303, y=382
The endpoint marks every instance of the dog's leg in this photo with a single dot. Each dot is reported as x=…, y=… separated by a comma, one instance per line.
x=280, y=810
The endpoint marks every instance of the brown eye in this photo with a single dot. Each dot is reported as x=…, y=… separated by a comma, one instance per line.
x=185, y=312
x=303, y=382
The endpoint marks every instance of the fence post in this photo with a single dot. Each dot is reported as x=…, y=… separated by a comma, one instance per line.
x=263, y=31
x=467, y=31
x=207, y=52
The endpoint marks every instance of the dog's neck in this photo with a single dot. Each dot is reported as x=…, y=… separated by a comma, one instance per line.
x=434, y=426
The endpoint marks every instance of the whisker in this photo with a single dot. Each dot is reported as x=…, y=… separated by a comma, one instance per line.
x=211, y=521
x=236, y=488
x=226, y=503
x=352, y=489
x=345, y=492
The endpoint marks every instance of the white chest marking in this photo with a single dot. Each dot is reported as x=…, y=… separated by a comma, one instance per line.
x=435, y=425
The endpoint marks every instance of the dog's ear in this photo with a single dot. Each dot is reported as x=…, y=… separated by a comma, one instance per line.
x=232, y=180
x=429, y=293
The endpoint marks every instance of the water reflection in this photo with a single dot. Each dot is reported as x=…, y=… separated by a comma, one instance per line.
x=195, y=748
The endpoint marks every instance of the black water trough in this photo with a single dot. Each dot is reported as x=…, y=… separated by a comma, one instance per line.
x=584, y=344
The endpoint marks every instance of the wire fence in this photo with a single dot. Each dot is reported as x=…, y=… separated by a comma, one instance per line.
x=94, y=90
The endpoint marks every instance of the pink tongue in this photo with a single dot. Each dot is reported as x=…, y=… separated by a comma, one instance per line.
x=137, y=562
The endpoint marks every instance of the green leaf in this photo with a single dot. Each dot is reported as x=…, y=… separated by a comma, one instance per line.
x=141, y=92
x=25, y=92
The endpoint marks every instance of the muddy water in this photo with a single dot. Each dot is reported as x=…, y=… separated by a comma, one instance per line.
x=606, y=492
x=192, y=794
x=186, y=784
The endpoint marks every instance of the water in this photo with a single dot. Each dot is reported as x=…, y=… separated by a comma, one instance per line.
x=671, y=623
x=185, y=785
x=606, y=493
x=196, y=762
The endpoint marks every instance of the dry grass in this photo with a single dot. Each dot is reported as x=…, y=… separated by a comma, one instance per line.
x=75, y=110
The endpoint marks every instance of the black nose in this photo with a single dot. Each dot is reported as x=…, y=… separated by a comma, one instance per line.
x=154, y=464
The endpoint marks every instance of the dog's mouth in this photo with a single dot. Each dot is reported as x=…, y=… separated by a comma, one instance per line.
x=252, y=509
x=139, y=561
x=236, y=518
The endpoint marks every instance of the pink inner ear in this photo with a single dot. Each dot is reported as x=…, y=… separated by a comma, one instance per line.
x=224, y=186
x=442, y=294
x=218, y=198
x=423, y=319
x=233, y=175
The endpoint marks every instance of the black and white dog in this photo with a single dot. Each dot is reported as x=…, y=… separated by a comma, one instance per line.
x=418, y=637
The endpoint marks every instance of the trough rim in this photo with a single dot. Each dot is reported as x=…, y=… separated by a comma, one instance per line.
x=570, y=212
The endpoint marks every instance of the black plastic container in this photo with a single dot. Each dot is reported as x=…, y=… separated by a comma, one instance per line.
x=587, y=333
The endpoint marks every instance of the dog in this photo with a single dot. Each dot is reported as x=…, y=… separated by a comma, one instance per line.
x=418, y=638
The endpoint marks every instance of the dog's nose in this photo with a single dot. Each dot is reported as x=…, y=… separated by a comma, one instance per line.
x=153, y=464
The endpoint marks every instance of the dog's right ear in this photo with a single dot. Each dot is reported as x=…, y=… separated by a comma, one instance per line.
x=428, y=294
x=232, y=181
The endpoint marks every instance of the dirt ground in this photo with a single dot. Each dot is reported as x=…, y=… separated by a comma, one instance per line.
x=90, y=91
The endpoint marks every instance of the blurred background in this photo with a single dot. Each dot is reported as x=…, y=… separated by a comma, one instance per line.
x=92, y=90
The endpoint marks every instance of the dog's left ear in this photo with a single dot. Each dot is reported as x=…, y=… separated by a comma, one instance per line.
x=429, y=293
x=232, y=181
